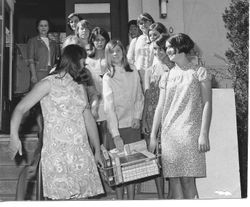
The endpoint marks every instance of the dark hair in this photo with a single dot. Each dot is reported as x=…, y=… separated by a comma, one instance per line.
x=182, y=42
x=161, y=43
x=161, y=40
x=109, y=47
x=41, y=19
x=159, y=27
x=98, y=31
x=132, y=22
x=70, y=63
x=69, y=18
x=145, y=17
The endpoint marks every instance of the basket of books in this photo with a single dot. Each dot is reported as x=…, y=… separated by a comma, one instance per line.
x=134, y=163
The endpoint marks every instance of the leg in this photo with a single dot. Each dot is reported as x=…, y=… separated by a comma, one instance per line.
x=176, y=188
x=170, y=193
x=189, y=188
x=159, y=182
x=119, y=190
x=131, y=191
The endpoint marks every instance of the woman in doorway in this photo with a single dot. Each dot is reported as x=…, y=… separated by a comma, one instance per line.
x=185, y=108
x=43, y=54
x=69, y=168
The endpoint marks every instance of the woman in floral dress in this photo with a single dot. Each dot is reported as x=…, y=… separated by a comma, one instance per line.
x=69, y=168
x=184, y=110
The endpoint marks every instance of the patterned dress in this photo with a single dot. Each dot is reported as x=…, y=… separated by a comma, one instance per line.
x=181, y=122
x=68, y=165
x=152, y=94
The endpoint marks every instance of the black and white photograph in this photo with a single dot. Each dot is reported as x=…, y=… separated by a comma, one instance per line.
x=123, y=100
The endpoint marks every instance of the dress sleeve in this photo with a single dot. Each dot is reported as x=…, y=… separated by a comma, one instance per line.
x=109, y=107
x=202, y=74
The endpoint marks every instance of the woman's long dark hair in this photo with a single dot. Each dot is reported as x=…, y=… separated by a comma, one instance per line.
x=70, y=63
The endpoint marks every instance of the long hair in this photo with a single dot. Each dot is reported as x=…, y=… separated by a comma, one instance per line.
x=70, y=63
x=108, y=50
x=95, y=32
x=69, y=18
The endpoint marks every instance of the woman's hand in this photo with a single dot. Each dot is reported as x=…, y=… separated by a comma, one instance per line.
x=98, y=159
x=15, y=146
x=135, y=124
x=203, y=143
x=153, y=143
x=119, y=144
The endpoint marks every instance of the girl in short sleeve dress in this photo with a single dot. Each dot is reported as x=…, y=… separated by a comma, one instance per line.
x=184, y=109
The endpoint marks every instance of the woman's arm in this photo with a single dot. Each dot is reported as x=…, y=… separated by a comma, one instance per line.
x=40, y=90
x=157, y=120
x=206, y=93
x=92, y=133
x=131, y=51
x=109, y=109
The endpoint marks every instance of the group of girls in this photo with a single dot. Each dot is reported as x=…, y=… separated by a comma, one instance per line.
x=152, y=85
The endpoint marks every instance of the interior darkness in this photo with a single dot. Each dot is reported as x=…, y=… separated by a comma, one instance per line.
x=28, y=11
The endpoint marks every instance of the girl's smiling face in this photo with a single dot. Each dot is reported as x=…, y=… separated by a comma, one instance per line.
x=144, y=25
x=171, y=52
x=73, y=22
x=116, y=55
x=153, y=35
x=159, y=52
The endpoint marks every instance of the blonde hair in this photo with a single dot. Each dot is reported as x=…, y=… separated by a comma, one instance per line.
x=83, y=23
x=108, y=49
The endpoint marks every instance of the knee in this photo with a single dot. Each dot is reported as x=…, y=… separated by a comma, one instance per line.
x=187, y=181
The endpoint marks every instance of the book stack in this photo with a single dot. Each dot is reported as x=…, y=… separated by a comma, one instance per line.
x=134, y=163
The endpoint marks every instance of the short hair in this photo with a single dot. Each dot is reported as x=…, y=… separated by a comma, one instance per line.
x=43, y=19
x=109, y=47
x=70, y=63
x=159, y=27
x=69, y=18
x=145, y=17
x=182, y=42
x=84, y=23
x=161, y=40
x=132, y=22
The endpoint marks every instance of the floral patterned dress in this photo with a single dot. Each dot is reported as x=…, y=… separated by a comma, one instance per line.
x=152, y=94
x=68, y=165
x=181, y=122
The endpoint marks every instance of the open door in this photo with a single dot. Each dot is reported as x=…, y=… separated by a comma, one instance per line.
x=112, y=15
x=6, y=48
